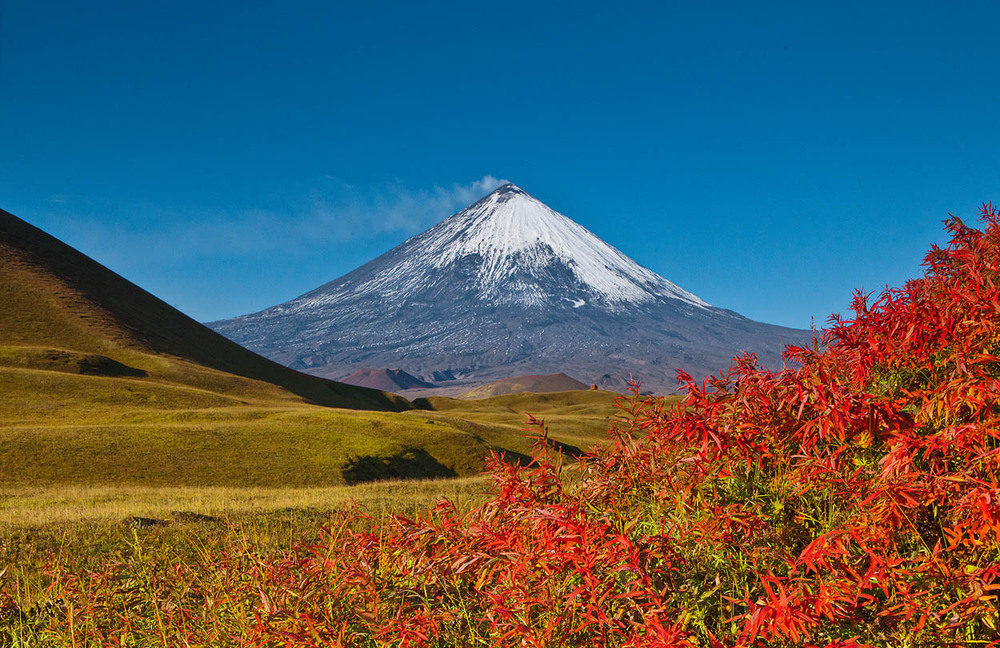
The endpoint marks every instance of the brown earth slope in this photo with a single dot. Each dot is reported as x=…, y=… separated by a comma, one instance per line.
x=556, y=382
x=391, y=380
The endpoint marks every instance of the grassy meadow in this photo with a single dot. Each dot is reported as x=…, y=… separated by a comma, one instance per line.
x=146, y=473
x=97, y=468
x=61, y=429
x=105, y=387
x=77, y=528
x=206, y=429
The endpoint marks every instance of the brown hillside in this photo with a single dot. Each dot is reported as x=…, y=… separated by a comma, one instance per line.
x=390, y=380
x=557, y=382
x=62, y=311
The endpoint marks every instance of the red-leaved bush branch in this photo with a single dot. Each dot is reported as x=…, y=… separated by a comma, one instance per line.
x=849, y=499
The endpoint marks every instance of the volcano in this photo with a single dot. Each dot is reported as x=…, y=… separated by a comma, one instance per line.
x=507, y=287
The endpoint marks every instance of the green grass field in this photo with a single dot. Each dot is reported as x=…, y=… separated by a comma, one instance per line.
x=104, y=385
x=98, y=468
x=58, y=428
x=144, y=475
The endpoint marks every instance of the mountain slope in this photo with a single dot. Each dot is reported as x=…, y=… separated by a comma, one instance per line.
x=390, y=380
x=63, y=311
x=559, y=382
x=506, y=287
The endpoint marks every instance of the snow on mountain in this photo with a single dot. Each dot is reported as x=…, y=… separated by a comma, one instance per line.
x=510, y=233
x=505, y=287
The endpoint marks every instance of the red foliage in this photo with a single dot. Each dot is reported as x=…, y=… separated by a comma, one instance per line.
x=849, y=499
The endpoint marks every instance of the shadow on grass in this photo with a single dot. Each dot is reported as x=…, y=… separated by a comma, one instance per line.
x=74, y=362
x=417, y=463
x=98, y=365
x=410, y=464
x=525, y=460
x=567, y=449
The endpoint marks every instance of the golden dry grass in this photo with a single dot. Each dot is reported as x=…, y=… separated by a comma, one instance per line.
x=41, y=506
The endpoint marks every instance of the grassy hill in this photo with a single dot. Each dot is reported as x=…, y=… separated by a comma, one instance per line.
x=157, y=436
x=64, y=312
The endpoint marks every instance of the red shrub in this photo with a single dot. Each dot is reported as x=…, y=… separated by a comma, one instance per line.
x=848, y=500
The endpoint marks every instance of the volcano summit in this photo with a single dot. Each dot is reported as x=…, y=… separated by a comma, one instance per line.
x=507, y=286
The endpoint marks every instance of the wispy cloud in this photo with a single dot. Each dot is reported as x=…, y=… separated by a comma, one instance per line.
x=341, y=212
x=330, y=213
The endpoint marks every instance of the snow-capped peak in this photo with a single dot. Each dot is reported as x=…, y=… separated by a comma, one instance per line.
x=510, y=230
x=510, y=248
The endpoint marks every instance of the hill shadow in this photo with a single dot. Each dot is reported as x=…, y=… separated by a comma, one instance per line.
x=415, y=463
x=89, y=364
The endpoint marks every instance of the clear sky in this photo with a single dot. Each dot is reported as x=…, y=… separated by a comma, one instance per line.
x=768, y=157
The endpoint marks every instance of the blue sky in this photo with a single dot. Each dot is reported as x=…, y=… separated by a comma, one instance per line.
x=769, y=157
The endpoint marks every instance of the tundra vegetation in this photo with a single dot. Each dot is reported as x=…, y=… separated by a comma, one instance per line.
x=847, y=499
